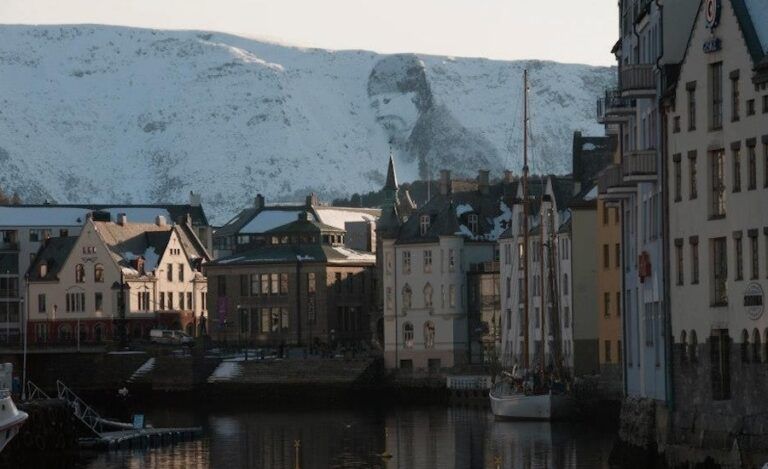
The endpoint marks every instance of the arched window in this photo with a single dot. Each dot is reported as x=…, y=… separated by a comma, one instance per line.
x=79, y=273
x=565, y=284
x=407, y=297
x=408, y=335
x=98, y=273
x=429, y=335
x=694, y=353
x=744, y=346
x=428, y=295
x=755, y=345
x=683, y=346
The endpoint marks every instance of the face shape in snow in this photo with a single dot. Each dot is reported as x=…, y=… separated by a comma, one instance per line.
x=397, y=113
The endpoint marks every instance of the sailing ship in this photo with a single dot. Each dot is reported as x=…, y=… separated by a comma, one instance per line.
x=11, y=419
x=535, y=392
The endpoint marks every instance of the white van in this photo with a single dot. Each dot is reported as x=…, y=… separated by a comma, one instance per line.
x=167, y=336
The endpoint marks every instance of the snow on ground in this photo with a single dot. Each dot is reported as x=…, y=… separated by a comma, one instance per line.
x=226, y=371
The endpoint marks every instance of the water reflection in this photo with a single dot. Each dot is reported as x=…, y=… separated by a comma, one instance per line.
x=442, y=438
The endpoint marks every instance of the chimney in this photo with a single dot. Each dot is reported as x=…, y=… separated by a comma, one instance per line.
x=138, y=265
x=122, y=219
x=258, y=202
x=508, y=176
x=303, y=216
x=483, y=182
x=445, y=182
x=194, y=199
x=312, y=201
x=160, y=220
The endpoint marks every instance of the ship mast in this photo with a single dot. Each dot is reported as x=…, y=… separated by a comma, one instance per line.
x=526, y=339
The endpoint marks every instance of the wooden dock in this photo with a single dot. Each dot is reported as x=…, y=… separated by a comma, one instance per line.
x=143, y=438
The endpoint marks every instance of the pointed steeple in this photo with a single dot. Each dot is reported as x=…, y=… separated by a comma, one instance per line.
x=391, y=183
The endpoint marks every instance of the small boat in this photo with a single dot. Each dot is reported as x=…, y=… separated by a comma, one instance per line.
x=11, y=418
x=521, y=406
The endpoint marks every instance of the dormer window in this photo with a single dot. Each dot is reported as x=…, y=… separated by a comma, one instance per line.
x=79, y=273
x=43, y=270
x=472, y=222
x=424, y=224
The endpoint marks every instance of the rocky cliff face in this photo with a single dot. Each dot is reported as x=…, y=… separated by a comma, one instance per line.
x=110, y=114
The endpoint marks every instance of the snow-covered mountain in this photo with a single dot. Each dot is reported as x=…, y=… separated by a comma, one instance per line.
x=112, y=114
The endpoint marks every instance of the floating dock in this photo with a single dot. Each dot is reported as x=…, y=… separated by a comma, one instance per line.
x=143, y=438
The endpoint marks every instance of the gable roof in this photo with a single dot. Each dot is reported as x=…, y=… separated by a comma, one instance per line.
x=53, y=254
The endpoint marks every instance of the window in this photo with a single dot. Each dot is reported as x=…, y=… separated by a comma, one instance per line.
x=170, y=300
x=739, y=250
x=750, y=107
x=189, y=300
x=98, y=273
x=203, y=299
x=755, y=346
x=691, y=105
x=75, y=302
x=407, y=297
x=520, y=256
x=565, y=284
x=717, y=202
x=716, y=96
x=676, y=124
x=751, y=168
x=452, y=296
x=63, y=233
x=428, y=295
x=98, y=300
x=608, y=351
x=678, y=177
x=520, y=296
x=695, y=260
x=617, y=255
x=162, y=299
x=472, y=222
x=254, y=284
x=605, y=214
x=429, y=335
x=406, y=262
x=567, y=317
x=693, y=190
x=736, y=158
x=284, y=284
x=735, y=96
x=181, y=300
x=754, y=255
x=169, y=272
x=765, y=161
x=274, y=283
x=765, y=104
x=679, y=257
x=181, y=272
x=41, y=303
x=264, y=284
x=451, y=260
x=606, y=304
x=618, y=304
x=606, y=257
x=408, y=335
x=244, y=287
x=144, y=301
x=423, y=224
x=508, y=289
x=388, y=299
x=388, y=262
x=719, y=271
x=311, y=283
x=427, y=261
x=79, y=273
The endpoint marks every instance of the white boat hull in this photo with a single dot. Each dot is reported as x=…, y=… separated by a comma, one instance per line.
x=11, y=419
x=530, y=407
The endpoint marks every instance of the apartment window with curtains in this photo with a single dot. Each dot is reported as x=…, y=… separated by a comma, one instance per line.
x=679, y=263
x=739, y=250
x=694, y=260
x=716, y=95
x=751, y=166
x=754, y=255
x=691, y=87
x=678, y=174
x=693, y=190
x=735, y=96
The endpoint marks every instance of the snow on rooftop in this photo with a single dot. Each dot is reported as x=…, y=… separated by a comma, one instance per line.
x=353, y=255
x=501, y=222
x=270, y=219
x=337, y=218
x=758, y=10
x=588, y=146
x=463, y=208
x=150, y=259
x=232, y=259
x=591, y=195
x=53, y=215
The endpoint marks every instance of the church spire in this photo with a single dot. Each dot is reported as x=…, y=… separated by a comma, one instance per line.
x=391, y=183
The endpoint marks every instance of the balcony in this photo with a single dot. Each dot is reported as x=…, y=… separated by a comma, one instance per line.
x=640, y=166
x=613, y=109
x=637, y=81
x=611, y=184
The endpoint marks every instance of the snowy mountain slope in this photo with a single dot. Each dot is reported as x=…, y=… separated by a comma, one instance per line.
x=111, y=114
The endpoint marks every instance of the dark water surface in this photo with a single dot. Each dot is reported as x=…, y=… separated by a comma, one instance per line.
x=420, y=437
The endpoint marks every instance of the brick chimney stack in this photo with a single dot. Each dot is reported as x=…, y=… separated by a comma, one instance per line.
x=445, y=182
x=483, y=181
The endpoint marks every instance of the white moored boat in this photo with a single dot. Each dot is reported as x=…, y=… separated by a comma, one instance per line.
x=518, y=406
x=11, y=418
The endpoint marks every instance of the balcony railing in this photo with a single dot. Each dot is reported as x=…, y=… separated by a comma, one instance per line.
x=637, y=78
x=639, y=165
x=613, y=107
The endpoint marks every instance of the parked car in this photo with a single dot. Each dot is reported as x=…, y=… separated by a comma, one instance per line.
x=167, y=336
